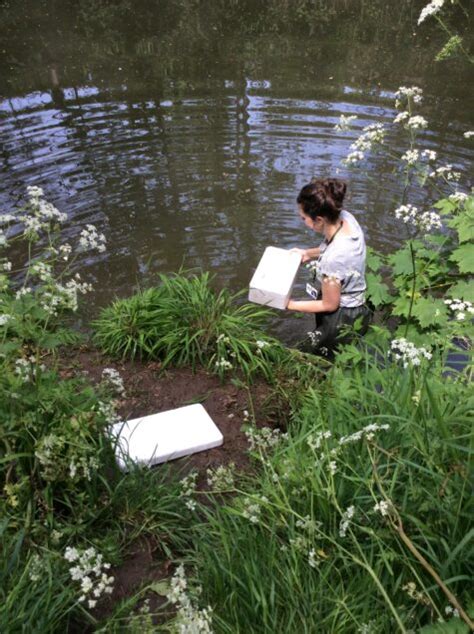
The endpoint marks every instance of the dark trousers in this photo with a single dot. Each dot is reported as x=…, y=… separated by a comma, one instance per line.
x=333, y=329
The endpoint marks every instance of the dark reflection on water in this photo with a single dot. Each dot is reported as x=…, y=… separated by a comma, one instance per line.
x=200, y=167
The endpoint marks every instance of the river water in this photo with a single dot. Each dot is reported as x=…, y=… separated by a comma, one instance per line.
x=184, y=130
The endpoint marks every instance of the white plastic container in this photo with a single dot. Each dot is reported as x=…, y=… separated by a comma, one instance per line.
x=274, y=277
x=165, y=436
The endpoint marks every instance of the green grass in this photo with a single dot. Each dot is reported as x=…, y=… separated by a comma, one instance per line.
x=185, y=322
x=257, y=576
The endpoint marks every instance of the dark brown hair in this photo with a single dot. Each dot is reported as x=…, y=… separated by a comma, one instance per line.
x=322, y=197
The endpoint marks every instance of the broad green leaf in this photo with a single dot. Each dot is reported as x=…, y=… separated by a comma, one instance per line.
x=462, y=290
x=430, y=312
x=401, y=306
x=374, y=260
x=401, y=261
x=445, y=206
x=377, y=290
x=464, y=225
x=464, y=257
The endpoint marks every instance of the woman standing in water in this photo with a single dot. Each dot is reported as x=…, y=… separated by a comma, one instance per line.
x=338, y=285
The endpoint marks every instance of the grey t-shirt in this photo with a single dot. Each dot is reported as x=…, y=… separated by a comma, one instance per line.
x=344, y=259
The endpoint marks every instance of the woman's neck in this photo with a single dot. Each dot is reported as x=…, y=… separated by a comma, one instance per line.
x=331, y=230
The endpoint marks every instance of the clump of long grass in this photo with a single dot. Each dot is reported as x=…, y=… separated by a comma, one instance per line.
x=360, y=520
x=184, y=321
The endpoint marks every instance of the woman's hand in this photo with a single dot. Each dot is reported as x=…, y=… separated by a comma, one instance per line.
x=306, y=254
x=303, y=253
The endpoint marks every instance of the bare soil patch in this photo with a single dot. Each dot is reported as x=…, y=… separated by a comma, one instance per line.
x=150, y=389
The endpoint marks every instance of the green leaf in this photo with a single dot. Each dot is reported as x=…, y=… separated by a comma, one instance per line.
x=401, y=306
x=464, y=225
x=462, y=290
x=454, y=626
x=464, y=257
x=377, y=291
x=402, y=262
x=430, y=312
x=374, y=260
x=160, y=587
x=445, y=206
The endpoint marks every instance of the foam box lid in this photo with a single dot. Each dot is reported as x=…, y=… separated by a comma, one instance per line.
x=274, y=277
x=165, y=436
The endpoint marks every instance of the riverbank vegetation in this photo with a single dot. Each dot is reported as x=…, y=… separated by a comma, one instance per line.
x=352, y=511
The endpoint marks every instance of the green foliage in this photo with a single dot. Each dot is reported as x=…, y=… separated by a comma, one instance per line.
x=34, y=593
x=426, y=271
x=450, y=49
x=319, y=574
x=128, y=328
x=184, y=321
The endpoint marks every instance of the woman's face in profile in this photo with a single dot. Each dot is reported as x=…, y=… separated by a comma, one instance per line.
x=316, y=225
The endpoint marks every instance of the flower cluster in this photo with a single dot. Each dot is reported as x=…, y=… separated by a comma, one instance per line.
x=188, y=488
x=344, y=123
x=83, y=466
x=222, y=478
x=261, y=344
x=264, y=439
x=459, y=308
x=252, y=508
x=90, y=570
x=413, y=593
x=450, y=611
x=315, y=557
x=366, y=432
x=58, y=296
x=407, y=93
x=446, y=172
x=416, y=122
x=408, y=353
x=353, y=158
x=111, y=379
x=223, y=364
x=468, y=134
x=90, y=239
x=36, y=568
x=190, y=619
x=345, y=520
x=371, y=134
x=314, y=441
x=432, y=8
x=410, y=122
x=46, y=452
x=108, y=411
x=426, y=221
x=382, y=507
x=411, y=156
x=458, y=198
x=4, y=319
x=41, y=208
x=26, y=368
x=429, y=154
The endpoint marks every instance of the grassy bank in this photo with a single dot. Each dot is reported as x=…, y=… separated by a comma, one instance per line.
x=352, y=513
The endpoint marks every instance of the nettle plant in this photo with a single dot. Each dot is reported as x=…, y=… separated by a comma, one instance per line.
x=53, y=445
x=431, y=291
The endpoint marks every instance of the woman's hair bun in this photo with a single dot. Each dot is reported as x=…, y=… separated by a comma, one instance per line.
x=323, y=197
x=337, y=189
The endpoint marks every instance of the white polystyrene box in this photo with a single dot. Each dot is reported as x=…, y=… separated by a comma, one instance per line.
x=165, y=436
x=273, y=280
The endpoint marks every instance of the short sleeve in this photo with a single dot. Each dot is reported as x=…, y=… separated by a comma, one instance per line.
x=335, y=268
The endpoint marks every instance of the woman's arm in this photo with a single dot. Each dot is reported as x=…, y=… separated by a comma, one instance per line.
x=307, y=254
x=331, y=291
